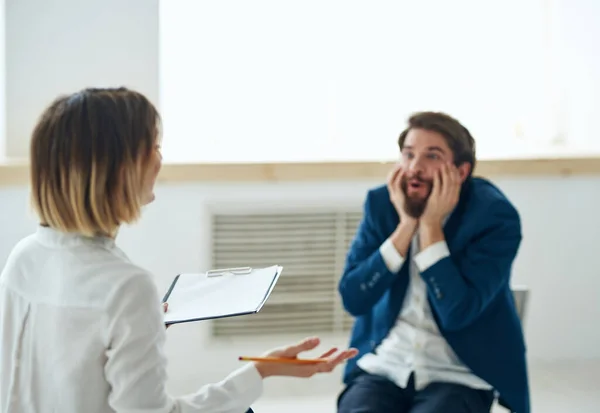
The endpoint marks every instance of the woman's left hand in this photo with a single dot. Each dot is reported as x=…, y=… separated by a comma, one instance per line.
x=165, y=308
x=303, y=370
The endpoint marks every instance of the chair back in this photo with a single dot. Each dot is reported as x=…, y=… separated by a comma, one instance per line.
x=521, y=295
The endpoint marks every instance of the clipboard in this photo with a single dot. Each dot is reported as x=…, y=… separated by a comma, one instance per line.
x=219, y=293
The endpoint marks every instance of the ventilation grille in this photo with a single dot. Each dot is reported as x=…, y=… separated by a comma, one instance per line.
x=312, y=249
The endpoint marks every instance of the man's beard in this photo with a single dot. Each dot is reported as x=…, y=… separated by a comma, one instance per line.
x=415, y=205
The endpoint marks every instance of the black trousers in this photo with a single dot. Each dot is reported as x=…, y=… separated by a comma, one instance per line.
x=368, y=393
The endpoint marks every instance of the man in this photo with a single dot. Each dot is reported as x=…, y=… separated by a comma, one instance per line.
x=427, y=278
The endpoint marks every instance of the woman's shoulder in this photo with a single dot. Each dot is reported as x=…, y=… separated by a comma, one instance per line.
x=126, y=277
x=82, y=275
x=133, y=299
x=121, y=274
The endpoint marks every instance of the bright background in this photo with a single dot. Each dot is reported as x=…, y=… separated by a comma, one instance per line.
x=332, y=80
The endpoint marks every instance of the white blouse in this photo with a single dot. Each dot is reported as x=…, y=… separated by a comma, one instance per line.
x=82, y=332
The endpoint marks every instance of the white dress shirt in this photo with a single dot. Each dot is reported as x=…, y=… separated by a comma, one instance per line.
x=82, y=332
x=414, y=344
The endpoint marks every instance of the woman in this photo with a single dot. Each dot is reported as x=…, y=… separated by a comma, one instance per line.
x=82, y=327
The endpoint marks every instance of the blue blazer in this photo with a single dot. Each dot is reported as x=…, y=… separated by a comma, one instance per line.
x=474, y=309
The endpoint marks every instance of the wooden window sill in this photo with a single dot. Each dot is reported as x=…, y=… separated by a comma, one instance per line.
x=17, y=173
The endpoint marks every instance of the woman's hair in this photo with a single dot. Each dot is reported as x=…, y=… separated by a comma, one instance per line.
x=89, y=151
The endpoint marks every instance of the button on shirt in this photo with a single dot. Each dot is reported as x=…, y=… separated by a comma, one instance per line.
x=414, y=344
x=82, y=331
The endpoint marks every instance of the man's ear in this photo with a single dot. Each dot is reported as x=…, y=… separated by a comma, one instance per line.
x=464, y=170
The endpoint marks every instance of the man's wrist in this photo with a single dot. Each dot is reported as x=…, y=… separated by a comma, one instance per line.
x=406, y=228
x=403, y=235
x=430, y=232
x=407, y=224
x=430, y=224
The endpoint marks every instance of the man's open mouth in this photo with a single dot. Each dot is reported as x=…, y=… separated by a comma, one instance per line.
x=415, y=184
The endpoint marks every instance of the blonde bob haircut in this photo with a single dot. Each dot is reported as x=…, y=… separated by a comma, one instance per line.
x=89, y=152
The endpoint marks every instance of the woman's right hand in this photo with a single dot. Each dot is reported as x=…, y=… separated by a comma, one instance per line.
x=303, y=370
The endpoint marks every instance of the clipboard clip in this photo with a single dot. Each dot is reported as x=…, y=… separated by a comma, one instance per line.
x=224, y=271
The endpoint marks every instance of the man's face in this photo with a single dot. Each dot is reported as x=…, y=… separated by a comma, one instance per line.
x=423, y=154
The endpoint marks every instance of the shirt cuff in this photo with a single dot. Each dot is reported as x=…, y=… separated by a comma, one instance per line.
x=247, y=384
x=431, y=255
x=391, y=257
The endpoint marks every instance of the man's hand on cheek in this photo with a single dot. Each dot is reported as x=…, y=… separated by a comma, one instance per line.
x=444, y=195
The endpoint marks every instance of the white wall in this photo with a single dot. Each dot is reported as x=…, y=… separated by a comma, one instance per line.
x=557, y=260
x=579, y=21
x=56, y=46
x=2, y=80
x=60, y=46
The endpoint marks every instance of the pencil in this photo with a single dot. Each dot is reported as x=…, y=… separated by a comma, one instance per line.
x=282, y=360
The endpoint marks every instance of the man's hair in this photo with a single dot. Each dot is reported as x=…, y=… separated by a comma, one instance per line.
x=88, y=153
x=457, y=137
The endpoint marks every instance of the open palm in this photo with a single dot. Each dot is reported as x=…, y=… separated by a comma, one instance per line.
x=332, y=360
x=305, y=370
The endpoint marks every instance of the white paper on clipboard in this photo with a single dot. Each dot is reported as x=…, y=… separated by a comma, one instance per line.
x=219, y=293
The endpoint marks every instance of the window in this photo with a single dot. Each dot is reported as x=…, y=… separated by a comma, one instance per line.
x=576, y=28
x=335, y=80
